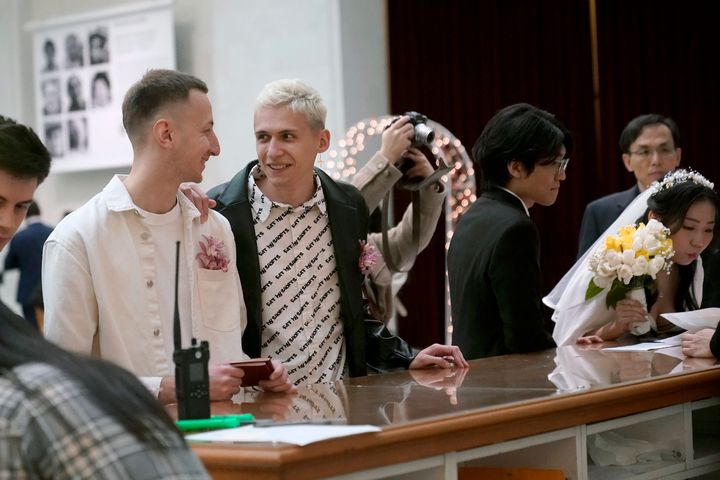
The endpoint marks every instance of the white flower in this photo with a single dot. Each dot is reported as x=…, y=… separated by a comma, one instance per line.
x=605, y=270
x=651, y=244
x=628, y=257
x=603, y=282
x=625, y=273
x=655, y=265
x=640, y=267
x=613, y=259
x=654, y=227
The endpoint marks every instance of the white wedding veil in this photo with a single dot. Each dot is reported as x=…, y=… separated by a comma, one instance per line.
x=574, y=316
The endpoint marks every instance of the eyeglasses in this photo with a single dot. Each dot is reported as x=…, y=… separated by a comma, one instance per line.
x=645, y=153
x=562, y=164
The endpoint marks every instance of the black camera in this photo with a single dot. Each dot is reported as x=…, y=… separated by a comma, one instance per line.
x=423, y=135
x=192, y=382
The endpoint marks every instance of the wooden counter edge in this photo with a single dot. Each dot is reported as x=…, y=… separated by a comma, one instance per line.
x=439, y=435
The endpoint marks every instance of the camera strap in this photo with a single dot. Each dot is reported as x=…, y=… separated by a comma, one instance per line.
x=415, y=189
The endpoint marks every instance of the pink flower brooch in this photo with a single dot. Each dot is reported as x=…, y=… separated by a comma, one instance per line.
x=368, y=257
x=211, y=255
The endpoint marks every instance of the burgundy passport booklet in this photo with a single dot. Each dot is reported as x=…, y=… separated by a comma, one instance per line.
x=255, y=369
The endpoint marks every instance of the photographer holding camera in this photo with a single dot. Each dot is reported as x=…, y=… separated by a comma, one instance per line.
x=400, y=161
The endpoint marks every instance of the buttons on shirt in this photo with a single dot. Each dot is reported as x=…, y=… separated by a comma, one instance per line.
x=156, y=332
x=149, y=283
x=145, y=235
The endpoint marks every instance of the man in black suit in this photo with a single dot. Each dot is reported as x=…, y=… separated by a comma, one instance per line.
x=298, y=235
x=650, y=146
x=25, y=254
x=494, y=256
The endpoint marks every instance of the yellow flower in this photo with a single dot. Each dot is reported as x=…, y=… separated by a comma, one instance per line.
x=642, y=253
x=626, y=241
x=612, y=242
x=627, y=230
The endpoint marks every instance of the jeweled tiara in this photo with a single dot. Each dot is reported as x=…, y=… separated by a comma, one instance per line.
x=681, y=175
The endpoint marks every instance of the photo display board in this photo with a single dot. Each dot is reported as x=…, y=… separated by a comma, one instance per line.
x=83, y=66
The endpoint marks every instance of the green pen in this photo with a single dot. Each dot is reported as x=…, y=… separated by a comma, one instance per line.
x=215, y=422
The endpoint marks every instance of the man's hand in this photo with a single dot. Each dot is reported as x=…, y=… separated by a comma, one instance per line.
x=278, y=381
x=421, y=167
x=437, y=355
x=396, y=139
x=225, y=381
x=201, y=201
x=697, y=344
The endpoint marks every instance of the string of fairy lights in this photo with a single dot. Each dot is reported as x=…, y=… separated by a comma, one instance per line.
x=342, y=162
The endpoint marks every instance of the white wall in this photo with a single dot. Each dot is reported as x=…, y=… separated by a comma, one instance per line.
x=236, y=46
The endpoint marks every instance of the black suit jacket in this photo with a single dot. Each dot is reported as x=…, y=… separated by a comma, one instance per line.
x=25, y=254
x=495, y=282
x=367, y=341
x=601, y=213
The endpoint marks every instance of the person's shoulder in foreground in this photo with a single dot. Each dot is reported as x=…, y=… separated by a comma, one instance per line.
x=38, y=403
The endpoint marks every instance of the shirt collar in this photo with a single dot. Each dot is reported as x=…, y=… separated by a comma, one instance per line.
x=261, y=205
x=515, y=195
x=118, y=199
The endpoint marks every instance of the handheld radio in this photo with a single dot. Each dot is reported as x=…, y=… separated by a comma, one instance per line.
x=192, y=381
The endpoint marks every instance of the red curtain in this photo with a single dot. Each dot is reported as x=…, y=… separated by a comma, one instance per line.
x=458, y=62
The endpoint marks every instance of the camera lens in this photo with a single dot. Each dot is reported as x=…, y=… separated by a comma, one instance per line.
x=424, y=135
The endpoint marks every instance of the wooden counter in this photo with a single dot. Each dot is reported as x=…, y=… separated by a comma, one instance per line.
x=430, y=414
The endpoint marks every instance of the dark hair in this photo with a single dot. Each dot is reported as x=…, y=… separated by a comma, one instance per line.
x=100, y=76
x=22, y=154
x=519, y=132
x=99, y=35
x=156, y=89
x=33, y=210
x=635, y=127
x=671, y=206
x=114, y=390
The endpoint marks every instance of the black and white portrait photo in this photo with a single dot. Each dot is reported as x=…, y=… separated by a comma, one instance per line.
x=100, y=91
x=75, y=94
x=98, y=46
x=49, y=54
x=51, y=97
x=73, y=51
x=77, y=135
x=54, y=139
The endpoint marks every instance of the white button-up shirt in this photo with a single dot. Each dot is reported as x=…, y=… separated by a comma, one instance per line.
x=100, y=287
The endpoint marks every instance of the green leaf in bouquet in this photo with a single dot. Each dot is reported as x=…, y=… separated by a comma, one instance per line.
x=618, y=291
x=592, y=290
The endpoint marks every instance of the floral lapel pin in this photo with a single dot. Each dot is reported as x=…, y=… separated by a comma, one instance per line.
x=211, y=255
x=368, y=257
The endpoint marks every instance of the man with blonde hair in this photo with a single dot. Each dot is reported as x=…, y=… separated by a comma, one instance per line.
x=299, y=238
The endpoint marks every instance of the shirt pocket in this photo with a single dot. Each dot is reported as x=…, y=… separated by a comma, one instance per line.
x=219, y=300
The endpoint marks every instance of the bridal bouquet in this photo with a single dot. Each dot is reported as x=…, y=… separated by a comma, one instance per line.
x=630, y=260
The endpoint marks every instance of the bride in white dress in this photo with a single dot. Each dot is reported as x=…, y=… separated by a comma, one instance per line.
x=685, y=202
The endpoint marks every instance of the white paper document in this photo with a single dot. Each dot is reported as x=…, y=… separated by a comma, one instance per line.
x=638, y=347
x=294, y=434
x=695, y=320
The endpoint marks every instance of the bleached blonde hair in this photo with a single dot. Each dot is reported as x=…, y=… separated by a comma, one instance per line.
x=297, y=95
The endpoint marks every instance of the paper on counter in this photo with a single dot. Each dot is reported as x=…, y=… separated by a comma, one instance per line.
x=294, y=434
x=638, y=347
x=694, y=320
